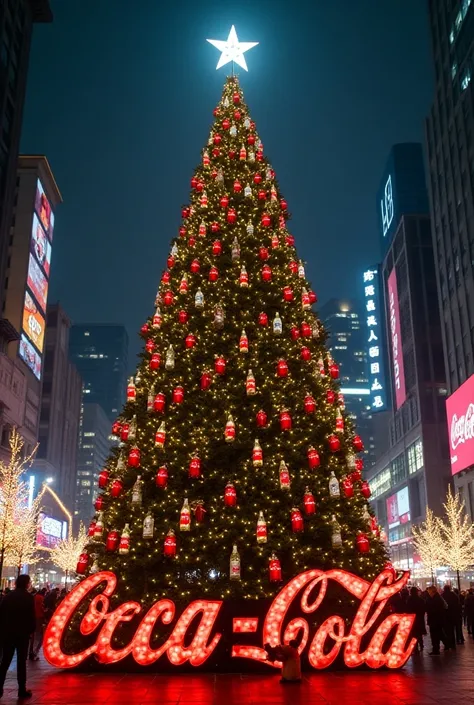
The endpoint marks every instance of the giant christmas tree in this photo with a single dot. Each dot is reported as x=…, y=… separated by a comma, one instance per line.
x=234, y=432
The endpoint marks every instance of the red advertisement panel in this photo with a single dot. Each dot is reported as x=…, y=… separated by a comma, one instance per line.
x=460, y=416
x=37, y=283
x=396, y=340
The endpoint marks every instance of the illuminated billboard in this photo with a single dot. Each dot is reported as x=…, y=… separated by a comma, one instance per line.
x=460, y=416
x=398, y=508
x=50, y=531
x=44, y=210
x=40, y=245
x=375, y=348
x=398, y=369
x=28, y=353
x=37, y=283
x=33, y=322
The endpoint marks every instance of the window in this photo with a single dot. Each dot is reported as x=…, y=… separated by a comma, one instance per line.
x=415, y=457
x=399, y=469
x=380, y=483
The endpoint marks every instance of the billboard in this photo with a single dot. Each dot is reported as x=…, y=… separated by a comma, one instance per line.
x=374, y=338
x=398, y=508
x=33, y=324
x=28, y=353
x=50, y=531
x=40, y=246
x=460, y=416
x=398, y=370
x=37, y=283
x=44, y=210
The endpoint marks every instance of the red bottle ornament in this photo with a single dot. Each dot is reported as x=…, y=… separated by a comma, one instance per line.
x=229, y=431
x=236, y=98
x=243, y=154
x=178, y=395
x=155, y=361
x=341, y=402
x=305, y=354
x=244, y=278
x=285, y=420
x=243, y=342
x=362, y=542
x=293, y=266
x=288, y=295
x=305, y=330
x=116, y=428
x=231, y=215
x=131, y=391
x=82, y=564
x=160, y=436
x=230, y=495
x=134, y=458
x=314, y=460
x=215, y=227
x=99, y=503
x=358, y=443
x=190, y=340
x=334, y=443
x=263, y=253
x=274, y=569
x=237, y=186
x=261, y=419
x=309, y=404
x=213, y=274
x=263, y=319
x=165, y=277
x=220, y=365
x=305, y=302
x=285, y=480
x=161, y=479
x=297, y=523
x=116, y=487
x=216, y=247
x=149, y=345
x=91, y=530
x=339, y=422
x=169, y=548
x=124, y=543
x=282, y=368
x=334, y=370
x=250, y=384
x=103, y=478
x=275, y=241
x=266, y=273
x=266, y=220
x=112, y=541
x=195, y=266
x=206, y=380
x=159, y=403
x=194, y=470
x=309, y=502
x=347, y=487
x=199, y=511
x=330, y=396
x=224, y=201
x=261, y=529
x=183, y=316
x=258, y=178
x=365, y=489
x=257, y=455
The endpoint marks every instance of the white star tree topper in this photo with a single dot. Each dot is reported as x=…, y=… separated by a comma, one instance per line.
x=232, y=49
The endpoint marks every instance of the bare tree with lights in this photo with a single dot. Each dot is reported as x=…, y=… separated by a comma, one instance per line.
x=66, y=554
x=428, y=543
x=457, y=532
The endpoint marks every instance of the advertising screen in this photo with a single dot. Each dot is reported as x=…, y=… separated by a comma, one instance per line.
x=460, y=417
x=33, y=322
x=396, y=340
x=50, y=531
x=44, y=211
x=32, y=358
x=37, y=283
x=40, y=245
x=374, y=339
x=398, y=508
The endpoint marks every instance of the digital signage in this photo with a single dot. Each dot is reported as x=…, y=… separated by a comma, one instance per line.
x=28, y=353
x=398, y=508
x=50, y=531
x=387, y=206
x=460, y=417
x=40, y=245
x=374, y=339
x=44, y=210
x=37, y=283
x=33, y=322
x=396, y=340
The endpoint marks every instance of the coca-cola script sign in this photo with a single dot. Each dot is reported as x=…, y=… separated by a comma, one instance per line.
x=375, y=637
x=460, y=415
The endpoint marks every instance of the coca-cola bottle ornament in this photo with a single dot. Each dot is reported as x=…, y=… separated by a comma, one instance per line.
x=169, y=548
x=194, y=467
x=367, y=517
x=199, y=299
x=229, y=431
x=297, y=524
x=183, y=285
x=309, y=502
x=148, y=526
x=261, y=529
x=161, y=479
x=95, y=566
x=314, y=460
x=336, y=534
x=160, y=436
x=150, y=400
x=305, y=302
x=243, y=342
x=112, y=541
x=257, y=454
x=339, y=422
x=99, y=527
x=274, y=569
x=199, y=511
x=334, y=490
x=124, y=545
x=301, y=272
x=137, y=492
x=234, y=572
x=362, y=542
x=185, y=516
x=235, y=250
x=284, y=474
x=230, y=495
x=244, y=278
x=82, y=563
x=170, y=359
x=219, y=317
x=131, y=391
x=277, y=325
x=340, y=401
x=250, y=386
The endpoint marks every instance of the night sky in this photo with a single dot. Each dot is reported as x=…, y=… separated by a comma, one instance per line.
x=120, y=99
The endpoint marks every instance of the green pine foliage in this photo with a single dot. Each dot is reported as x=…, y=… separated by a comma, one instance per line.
x=196, y=427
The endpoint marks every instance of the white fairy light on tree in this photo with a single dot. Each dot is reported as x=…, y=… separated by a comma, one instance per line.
x=66, y=554
x=457, y=531
x=428, y=542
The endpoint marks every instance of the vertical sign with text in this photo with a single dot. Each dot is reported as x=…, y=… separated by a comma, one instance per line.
x=378, y=392
x=396, y=340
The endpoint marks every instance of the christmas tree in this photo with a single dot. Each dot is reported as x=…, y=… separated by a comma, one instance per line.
x=237, y=468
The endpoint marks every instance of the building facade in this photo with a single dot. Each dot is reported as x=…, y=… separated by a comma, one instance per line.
x=94, y=448
x=60, y=409
x=450, y=142
x=414, y=472
x=100, y=353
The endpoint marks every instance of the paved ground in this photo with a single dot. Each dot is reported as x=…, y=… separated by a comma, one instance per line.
x=444, y=680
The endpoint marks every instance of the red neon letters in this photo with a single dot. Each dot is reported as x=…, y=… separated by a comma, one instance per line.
x=389, y=645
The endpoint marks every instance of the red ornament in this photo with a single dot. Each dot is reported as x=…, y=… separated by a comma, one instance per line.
x=116, y=427
x=160, y=436
x=297, y=523
x=262, y=195
x=293, y=267
x=334, y=370
x=309, y=404
x=199, y=186
x=290, y=240
x=159, y=403
x=116, y=487
x=149, y=345
x=169, y=549
x=185, y=212
x=348, y=487
x=257, y=455
x=312, y=297
x=266, y=273
x=275, y=241
x=217, y=139
x=230, y=495
x=190, y=340
x=92, y=526
x=194, y=182
x=134, y=458
x=251, y=140
x=226, y=123
x=224, y=201
x=170, y=262
x=183, y=316
x=82, y=564
x=206, y=380
x=195, y=266
x=213, y=274
x=155, y=361
x=305, y=330
x=263, y=253
x=195, y=467
x=231, y=153
x=220, y=365
x=285, y=420
x=237, y=186
x=161, y=479
x=144, y=329
x=266, y=220
x=305, y=354
x=215, y=153
x=112, y=541
x=358, y=443
x=362, y=542
x=165, y=277
x=365, y=489
x=99, y=503
x=334, y=443
x=263, y=319
x=192, y=242
x=231, y=215
x=258, y=178
x=288, y=293
x=359, y=463
x=330, y=396
x=214, y=227
x=274, y=569
x=236, y=98
x=182, y=231
x=309, y=502
x=313, y=458
x=295, y=333
x=178, y=395
x=216, y=247
x=103, y=478
x=244, y=277
x=168, y=298
x=261, y=419
x=283, y=204
x=282, y=368
x=199, y=512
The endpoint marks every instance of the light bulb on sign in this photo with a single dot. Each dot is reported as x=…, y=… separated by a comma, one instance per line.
x=232, y=49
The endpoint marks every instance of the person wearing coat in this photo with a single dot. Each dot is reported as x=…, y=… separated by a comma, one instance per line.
x=17, y=624
x=436, y=609
x=416, y=605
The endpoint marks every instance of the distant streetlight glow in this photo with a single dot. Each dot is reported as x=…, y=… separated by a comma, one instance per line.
x=232, y=49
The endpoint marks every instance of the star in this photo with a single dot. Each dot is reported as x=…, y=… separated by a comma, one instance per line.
x=232, y=49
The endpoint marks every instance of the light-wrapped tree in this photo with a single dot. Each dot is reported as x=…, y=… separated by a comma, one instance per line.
x=66, y=554
x=457, y=531
x=428, y=543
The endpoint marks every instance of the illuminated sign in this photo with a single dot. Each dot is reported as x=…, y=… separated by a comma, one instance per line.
x=386, y=639
x=30, y=356
x=396, y=338
x=398, y=508
x=40, y=245
x=37, y=283
x=44, y=210
x=386, y=206
x=33, y=322
x=50, y=531
x=378, y=394
x=460, y=416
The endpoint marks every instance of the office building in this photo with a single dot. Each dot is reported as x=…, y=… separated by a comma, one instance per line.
x=100, y=353
x=450, y=142
x=25, y=295
x=414, y=472
x=16, y=27
x=343, y=320
x=60, y=409
x=94, y=448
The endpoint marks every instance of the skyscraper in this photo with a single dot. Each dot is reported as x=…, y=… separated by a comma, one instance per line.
x=450, y=140
x=94, y=447
x=100, y=353
x=16, y=28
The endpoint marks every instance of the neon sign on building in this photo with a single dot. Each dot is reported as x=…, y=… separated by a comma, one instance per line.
x=194, y=638
x=378, y=394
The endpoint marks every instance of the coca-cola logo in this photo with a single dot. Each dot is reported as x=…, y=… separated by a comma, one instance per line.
x=462, y=427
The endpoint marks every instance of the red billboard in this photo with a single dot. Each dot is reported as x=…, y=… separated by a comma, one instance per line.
x=460, y=415
x=396, y=340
